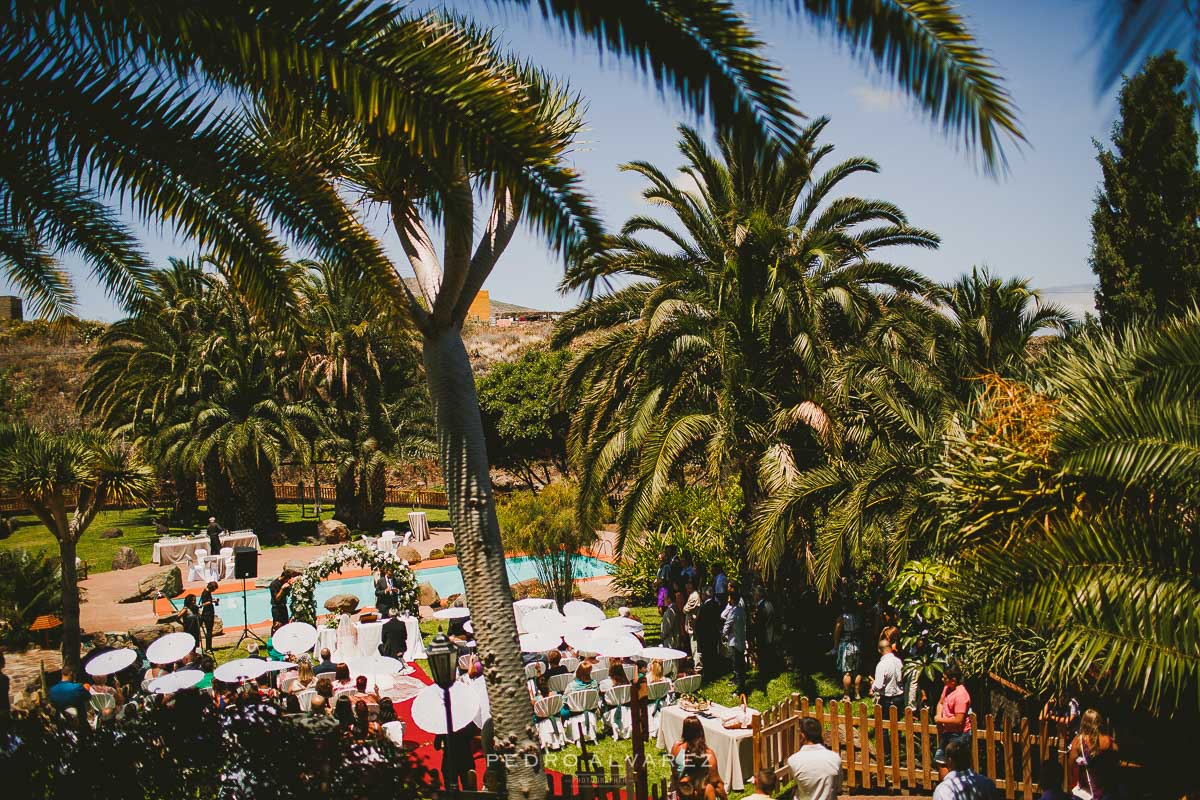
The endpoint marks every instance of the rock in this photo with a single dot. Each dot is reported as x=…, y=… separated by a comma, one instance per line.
x=408, y=554
x=427, y=595
x=527, y=588
x=168, y=581
x=7, y=526
x=615, y=602
x=147, y=634
x=435, y=554
x=332, y=531
x=342, y=604
x=218, y=626
x=125, y=558
x=112, y=533
x=295, y=565
x=449, y=549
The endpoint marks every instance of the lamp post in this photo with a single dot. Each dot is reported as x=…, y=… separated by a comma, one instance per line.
x=443, y=663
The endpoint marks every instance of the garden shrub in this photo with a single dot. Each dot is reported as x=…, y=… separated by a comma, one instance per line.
x=544, y=527
x=30, y=585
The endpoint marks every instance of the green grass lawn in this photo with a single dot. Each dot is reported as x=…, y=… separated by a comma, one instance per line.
x=139, y=532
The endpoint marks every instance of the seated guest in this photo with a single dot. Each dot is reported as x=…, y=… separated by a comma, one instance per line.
x=463, y=639
x=394, y=635
x=207, y=665
x=360, y=690
x=155, y=671
x=99, y=685
x=325, y=688
x=304, y=679
x=343, y=712
x=319, y=706
x=341, y=677
x=616, y=675
x=654, y=672
x=69, y=694
x=765, y=785
x=387, y=711
x=554, y=664
x=583, y=678
x=363, y=727
x=291, y=704
x=326, y=664
x=252, y=651
x=265, y=690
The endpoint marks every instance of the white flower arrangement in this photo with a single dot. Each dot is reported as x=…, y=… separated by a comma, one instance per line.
x=304, y=606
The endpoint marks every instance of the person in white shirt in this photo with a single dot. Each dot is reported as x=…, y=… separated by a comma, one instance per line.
x=888, y=688
x=816, y=769
x=962, y=782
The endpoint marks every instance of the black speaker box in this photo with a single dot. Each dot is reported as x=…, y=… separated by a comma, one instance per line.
x=245, y=562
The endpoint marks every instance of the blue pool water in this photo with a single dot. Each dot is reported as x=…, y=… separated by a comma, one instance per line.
x=447, y=580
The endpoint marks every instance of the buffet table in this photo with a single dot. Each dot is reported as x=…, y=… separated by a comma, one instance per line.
x=183, y=551
x=734, y=749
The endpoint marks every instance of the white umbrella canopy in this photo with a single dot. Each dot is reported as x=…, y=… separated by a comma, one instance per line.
x=454, y=612
x=582, y=641
x=585, y=611
x=295, y=637
x=240, y=669
x=618, y=646
x=662, y=653
x=170, y=648
x=111, y=662
x=374, y=665
x=429, y=711
x=539, y=642
x=174, y=681
x=279, y=666
x=469, y=628
x=614, y=625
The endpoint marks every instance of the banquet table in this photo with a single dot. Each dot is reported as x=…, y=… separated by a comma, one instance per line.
x=734, y=749
x=523, y=607
x=181, y=551
x=370, y=635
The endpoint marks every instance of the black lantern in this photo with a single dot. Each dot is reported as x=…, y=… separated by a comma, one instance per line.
x=443, y=660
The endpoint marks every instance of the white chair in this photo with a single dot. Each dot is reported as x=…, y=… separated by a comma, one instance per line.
x=196, y=565
x=305, y=697
x=103, y=700
x=581, y=725
x=599, y=673
x=616, y=712
x=688, y=684
x=394, y=731
x=549, y=723
x=227, y=554
x=656, y=698
x=214, y=568
x=559, y=683
x=630, y=671
x=534, y=670
x=570, y=662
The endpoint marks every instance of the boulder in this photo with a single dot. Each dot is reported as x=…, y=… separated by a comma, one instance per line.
x=147, y=634
x=342, y=604
x=435, y=554
x=408, y=554
x=295, y=565
x=427, y=595
x=112, y=533
x=332, y=531
x=615, y=602
x=168, y=581
x=125, y=558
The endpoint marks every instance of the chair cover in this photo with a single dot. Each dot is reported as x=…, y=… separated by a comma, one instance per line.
x=570, y=662
x=305, y=697
x=103, y=700
x=630, y=671
x=582, y=705
x=599, y=673
x=394, y=731
x=656, y=698
x=227, y=554
x=559, y=683
x=616, y=713
x=687, y=684
x=196, y=566
x=534, y=670
x=549, y=724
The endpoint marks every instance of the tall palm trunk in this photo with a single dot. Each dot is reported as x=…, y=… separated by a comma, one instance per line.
x=481, y=557
x=71, y=635
x=346, y=500
x=255, y=497
x=373, y=493
x=218, y=492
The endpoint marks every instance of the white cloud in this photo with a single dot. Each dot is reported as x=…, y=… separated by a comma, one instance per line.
x=873, y=99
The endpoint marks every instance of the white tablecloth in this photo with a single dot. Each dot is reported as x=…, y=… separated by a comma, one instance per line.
x=180, y=551
x=523, y=607
x=734, y=749
x=370, y=635
x=419, y=525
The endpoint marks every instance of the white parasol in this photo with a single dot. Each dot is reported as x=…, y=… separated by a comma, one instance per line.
x=240, y=669
x=174, y=681
x=539, y=642
x=582, y=641
x=279, y=666
x=170, y=648
x=295, y=637
x=614, y=625
x=662, y=653
x=429, y=711
x=618, y=646
x=469, y=628
x=454, y=612
x=589, y=613
x=375, y=665
x=544, y=620
x=111, y=662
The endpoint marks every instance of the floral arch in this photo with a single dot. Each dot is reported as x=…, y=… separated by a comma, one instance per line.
x=304, y=604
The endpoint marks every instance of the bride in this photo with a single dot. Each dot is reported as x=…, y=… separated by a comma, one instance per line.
x=347, y=638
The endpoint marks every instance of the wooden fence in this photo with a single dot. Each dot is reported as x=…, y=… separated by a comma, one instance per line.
x=1009, y=755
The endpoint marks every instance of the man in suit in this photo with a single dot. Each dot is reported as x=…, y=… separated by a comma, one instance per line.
x=394, y=636
x=326, y=664
x=385, y=592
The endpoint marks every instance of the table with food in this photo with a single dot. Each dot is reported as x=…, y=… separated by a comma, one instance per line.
x=727, y=731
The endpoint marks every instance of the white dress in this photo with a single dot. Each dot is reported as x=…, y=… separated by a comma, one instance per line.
x=347, y=639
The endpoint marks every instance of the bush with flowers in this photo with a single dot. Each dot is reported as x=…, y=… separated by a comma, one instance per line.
x=304, y=604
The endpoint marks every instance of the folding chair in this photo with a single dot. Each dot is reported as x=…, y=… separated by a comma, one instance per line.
x=582, y=705
x=549, y=724
x=559, y=683
x=196, y=565
x=227, y=554
x=616, y=712
x=688, y=684
x=656, y=698
x=570, y=663
x=599, y=673
x=534, y=670
x=305, y=697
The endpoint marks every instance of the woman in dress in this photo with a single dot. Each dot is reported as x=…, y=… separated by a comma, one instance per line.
x=848, y=633
x=189, y=617
x=694, y=765
x=342, y=678
x=654, y=672
x=347, y=638
x=1091, y=746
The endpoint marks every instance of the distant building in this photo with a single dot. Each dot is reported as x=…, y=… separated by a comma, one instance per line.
x=481, y=307
x=10, y=308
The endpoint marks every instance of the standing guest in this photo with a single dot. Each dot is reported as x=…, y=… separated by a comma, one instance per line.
x=394, y=636
x=962, y=782
x=720, y=584
x=1063, y=711
x=951, y=718
x=326, y=664
x=281, y=589
x=694, y=764
x=847, y=633
x=815, y=768
x=386, y=592
x=1091, y=745
x=764, y=625
x=662, y=579
x=208, y=613
x=67, y=693
x=765, y=785
x=214, y=536
x=687, y=573
x=734, y=636
x=708, y=630
x=691, y=611
x=5, y=708
x=888, y=687
x=671, y=626
x=189, y=617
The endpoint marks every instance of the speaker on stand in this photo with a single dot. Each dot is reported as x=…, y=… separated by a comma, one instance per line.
x=245, y=565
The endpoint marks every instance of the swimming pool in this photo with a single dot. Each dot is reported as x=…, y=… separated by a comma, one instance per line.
x=447, y=580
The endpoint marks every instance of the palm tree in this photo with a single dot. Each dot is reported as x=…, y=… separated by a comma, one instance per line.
x=52, y=472
x=715, y=353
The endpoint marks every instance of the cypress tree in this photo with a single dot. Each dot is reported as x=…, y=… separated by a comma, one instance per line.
x=1145, y=240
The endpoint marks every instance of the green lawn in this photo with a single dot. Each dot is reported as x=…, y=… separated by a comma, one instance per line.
x=139, y=532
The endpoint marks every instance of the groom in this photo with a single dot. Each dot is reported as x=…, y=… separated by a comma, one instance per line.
x=385, y=592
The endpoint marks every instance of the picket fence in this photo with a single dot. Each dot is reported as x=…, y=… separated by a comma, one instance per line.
x=1009, y=755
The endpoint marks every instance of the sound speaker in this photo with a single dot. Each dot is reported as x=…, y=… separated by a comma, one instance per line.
x=245, y=562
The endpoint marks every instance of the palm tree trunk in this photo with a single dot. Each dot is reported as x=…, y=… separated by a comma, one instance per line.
x=374, y=493
x=218, y=492
x=481, y=558
x=345, y=500
x=71, y=634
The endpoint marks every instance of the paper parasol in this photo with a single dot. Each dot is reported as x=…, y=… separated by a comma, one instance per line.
x=539, y=642
x=429, y=713
x=174, y=681
x=589, y=613
x=170, y=648
x=454, y=612
x=111, y=662
x=295, y=637
x=240, y=669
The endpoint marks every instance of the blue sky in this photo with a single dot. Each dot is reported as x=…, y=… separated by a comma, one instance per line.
x=1034, y=222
